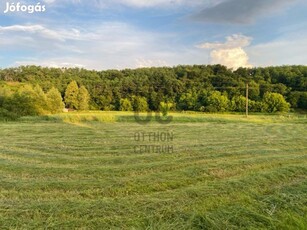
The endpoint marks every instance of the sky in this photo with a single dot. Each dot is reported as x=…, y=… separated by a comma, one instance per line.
x=119, y=34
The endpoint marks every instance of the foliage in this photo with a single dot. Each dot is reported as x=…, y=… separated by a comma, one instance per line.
x=188, y=87
x=165, y=107
x=83, y=98
x=302, y=102
x=71, y=95
x=238, y=103
x=275, y=102
x=26, y=100
x=298, y=100
x=125, y=105
x=139, y=104
x=188, y=101
x=217, y=102
x=55, y=101
x=39, y=101
x=257, y=106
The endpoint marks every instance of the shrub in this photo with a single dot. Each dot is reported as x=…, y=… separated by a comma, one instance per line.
x=165, y=107
x=275, y=102
x=238, y=104
x=217, y=102
x=257, y=106
x=22, y=102
x=125, y=105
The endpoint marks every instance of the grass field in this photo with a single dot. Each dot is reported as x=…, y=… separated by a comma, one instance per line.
x=96, y=171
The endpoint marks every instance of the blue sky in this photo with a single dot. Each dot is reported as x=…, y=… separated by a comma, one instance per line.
x=117, y=34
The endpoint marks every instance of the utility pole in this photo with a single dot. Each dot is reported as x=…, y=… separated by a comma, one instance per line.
x=246, y=99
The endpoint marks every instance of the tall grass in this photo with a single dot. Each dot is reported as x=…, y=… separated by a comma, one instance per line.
x=106, y=117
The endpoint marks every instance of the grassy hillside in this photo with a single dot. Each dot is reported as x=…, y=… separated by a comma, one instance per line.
x=90, y=171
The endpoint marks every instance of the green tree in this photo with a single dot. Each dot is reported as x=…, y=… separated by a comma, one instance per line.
x=294, y=98
x=125, y=105
x=55, y=101
x=302, y=103
x=188, y=101
x=22, y=102
x=140, y=104
x=39, y=100
x=165, y=107
x=217, y=102
x=275, y=102
x=238, y=104
x=83, y=98
x=71, y=95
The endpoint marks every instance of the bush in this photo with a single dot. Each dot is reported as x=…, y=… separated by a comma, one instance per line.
x=29, y=101
x=238, y=104
x=217, y=102
x=6, y=115
x=22, y=102
x=125, y=105
x=256, y=106
x=165, y=107
x=275, y=102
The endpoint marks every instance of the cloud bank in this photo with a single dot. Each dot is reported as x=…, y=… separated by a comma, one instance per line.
x=107, y=45
x=240, y=11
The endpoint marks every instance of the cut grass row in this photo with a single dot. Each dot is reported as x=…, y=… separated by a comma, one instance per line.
x=223, y=174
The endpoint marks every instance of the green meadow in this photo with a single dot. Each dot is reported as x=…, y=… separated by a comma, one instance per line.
x=101, y=170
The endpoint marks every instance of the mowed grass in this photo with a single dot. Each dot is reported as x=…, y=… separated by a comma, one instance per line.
x=81, y=171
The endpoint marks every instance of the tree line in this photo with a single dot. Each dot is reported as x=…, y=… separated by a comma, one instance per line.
x=18, y=100
x=206, y=88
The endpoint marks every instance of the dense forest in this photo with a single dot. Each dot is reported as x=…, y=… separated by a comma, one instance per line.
x=206, y=88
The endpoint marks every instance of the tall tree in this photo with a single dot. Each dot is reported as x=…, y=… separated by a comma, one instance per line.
x=71, y=95
x=83, y=98
x=55, y=101
x=139, y=104
x=40, y=100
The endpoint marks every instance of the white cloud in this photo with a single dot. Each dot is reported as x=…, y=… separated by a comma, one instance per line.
x=103, y=46
x=33, y=29
x=56, y=63
x=141, y=63
x=230, y=53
